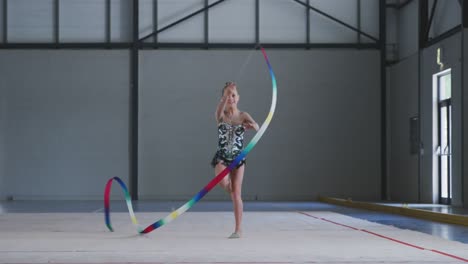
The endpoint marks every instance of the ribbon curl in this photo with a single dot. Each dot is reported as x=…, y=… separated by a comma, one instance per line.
x=174, y=214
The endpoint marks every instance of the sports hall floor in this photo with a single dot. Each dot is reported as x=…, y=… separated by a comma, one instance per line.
x=273, y=232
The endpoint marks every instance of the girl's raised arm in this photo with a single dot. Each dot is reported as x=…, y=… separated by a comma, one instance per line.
x=220, y=108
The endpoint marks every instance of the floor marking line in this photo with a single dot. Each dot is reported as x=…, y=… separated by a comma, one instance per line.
x=392, y=239
x=388, y=238
x=449, y=255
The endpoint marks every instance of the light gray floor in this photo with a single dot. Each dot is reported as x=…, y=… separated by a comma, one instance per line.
x=302, y=232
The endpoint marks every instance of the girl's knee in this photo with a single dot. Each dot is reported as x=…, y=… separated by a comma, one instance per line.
x=236, y=196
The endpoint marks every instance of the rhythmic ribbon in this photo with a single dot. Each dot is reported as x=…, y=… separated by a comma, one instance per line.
x=173, y=215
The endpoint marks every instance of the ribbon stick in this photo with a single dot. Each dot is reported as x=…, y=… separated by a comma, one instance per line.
x=174, y=214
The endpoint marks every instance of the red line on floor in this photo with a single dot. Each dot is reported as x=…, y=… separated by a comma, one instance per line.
x=392, y=239
x=388, y=238
x=338, y=223
x=449, y=255
x=327, y=220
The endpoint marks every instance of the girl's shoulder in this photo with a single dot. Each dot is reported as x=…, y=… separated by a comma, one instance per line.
x=244, y=114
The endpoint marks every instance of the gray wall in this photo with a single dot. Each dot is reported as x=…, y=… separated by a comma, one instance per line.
x=465, y=115
x=404, y=104
x=324, y=138
x=2, y=138
x=403, y=176
x=446, y=16
x=451, y=59
x=67, y=122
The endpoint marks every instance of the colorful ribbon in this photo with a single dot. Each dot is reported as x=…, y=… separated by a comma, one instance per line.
x=173, y=215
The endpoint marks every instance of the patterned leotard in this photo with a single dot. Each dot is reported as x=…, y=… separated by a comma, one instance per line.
x=230, y=144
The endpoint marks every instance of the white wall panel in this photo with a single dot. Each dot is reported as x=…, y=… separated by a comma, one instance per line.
x=68, y=122
x=323, y=29
x=324, y=138
x=232, y=22
x=82, y=21
x=121, y=20
x=282, y=22
x=191, y=30
x=30, y=21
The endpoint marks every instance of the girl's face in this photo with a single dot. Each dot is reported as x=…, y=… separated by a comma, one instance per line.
x=232, y=95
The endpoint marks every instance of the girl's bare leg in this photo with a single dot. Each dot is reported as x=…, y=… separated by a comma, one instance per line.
x=237, y=175
x=225, y=183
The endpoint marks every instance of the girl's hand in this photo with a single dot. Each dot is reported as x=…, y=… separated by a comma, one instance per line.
x=220, y=108
x=250, y=125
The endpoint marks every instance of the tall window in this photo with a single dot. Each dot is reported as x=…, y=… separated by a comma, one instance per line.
x=444, y=149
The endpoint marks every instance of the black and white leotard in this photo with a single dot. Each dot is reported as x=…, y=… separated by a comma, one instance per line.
x=230, y=144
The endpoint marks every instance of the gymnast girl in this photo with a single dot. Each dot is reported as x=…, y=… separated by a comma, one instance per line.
x=232, y=123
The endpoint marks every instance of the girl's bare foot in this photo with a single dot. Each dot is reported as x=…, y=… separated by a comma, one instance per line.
x=235, y=235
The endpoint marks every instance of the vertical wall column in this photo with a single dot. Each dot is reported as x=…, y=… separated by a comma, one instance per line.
x=5, y=21
x=155, y=20
x=383, y=99
x=257, y=22
x=56, y=22
x=464, y=94
x=108, y=22
x=134, y=86
x=3, y=108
